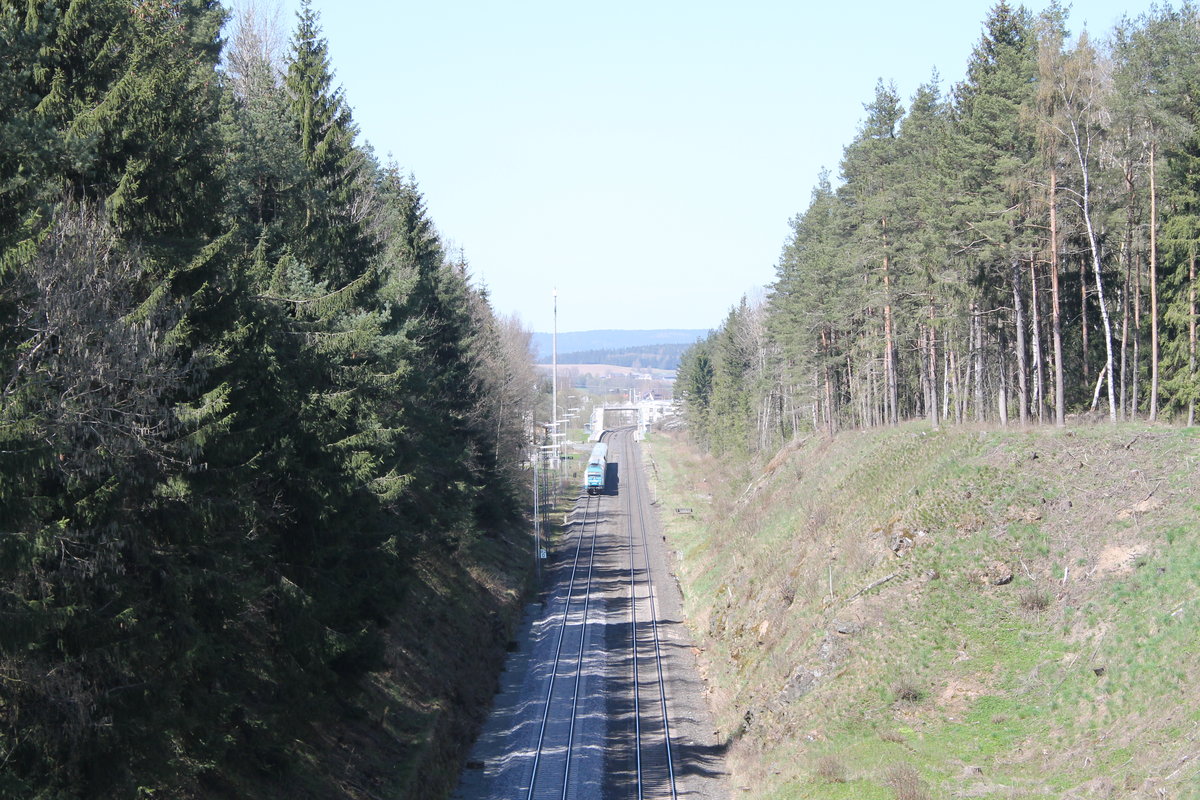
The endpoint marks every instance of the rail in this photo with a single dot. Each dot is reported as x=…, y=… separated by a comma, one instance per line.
x=544, y=783
x=655, y=760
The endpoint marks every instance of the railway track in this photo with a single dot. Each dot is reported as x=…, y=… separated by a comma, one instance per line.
x=654, y=757
x=550, y=774
x=592, y=722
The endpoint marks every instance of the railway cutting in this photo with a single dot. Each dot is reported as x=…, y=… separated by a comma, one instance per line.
x=601, y=699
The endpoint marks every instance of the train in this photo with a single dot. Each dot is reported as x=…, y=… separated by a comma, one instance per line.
x=597, y=469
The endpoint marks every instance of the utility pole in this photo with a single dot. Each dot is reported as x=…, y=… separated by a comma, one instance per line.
x=554, y=383
x=537, y=521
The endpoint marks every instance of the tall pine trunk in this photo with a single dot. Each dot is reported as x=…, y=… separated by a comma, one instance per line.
x=1153, y=289
x=1137, y=333
x=933, y=393
x=1022, y=365
x=977, y=358
x=1039, y=381
x=1055, y=306
x=1132, y=286
x=1192, y=336
x=827, y=346
x=889, y=357
x=1124, y=336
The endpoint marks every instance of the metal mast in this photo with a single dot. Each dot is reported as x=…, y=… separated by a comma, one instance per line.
x=554, y=382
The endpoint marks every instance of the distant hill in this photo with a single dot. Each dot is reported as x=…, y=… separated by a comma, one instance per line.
x=583, y=341
x=650, y=356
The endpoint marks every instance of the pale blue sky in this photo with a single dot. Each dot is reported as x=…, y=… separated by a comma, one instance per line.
x=642, y=157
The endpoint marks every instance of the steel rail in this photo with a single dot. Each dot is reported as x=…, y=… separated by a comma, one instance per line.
x=589, y=510
x=637, y=510
x=587, y=596
x=633, y=642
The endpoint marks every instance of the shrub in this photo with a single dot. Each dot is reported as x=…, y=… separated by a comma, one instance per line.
x=1036, y=598
x=908, y=691
x=831, y=769
x=904, y=780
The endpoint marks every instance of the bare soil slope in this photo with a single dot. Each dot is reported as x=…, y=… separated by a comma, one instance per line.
x=958, y=613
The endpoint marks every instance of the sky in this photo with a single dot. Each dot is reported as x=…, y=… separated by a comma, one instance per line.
x=644, y=158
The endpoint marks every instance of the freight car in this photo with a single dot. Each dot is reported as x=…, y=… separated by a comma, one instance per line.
x=597, y=469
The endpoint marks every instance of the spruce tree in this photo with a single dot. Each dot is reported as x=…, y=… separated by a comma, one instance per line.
x=115, y=319
x=694, y=386
x=1154, y=79
x=1181, y=248
x=330, y=235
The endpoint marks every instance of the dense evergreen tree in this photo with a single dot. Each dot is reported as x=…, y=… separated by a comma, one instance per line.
x=242, y=389
x=693, y=385
x=1153, y=108
x=995, y=149
x=931, y=288
x=1181, y=245
x=331, y=236
x=111, y=331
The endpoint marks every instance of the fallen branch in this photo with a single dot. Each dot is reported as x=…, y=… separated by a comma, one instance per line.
x=865, y=589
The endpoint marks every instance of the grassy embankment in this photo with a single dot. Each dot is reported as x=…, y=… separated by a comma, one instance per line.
x=919, y=614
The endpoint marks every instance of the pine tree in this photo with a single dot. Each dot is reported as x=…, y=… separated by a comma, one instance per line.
x=925, y=186
x=870, y=193
x=1155, y=57
x=813, y=302
x=1052, y=33
x=994, y=152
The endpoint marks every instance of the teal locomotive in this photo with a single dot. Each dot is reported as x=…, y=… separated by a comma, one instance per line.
x=597, y=468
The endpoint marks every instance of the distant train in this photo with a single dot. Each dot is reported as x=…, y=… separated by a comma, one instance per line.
x=597, y=469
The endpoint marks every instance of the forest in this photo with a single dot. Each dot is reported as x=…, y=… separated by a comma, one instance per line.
x=1020, y=249
x=657, y=356
x=244, y=388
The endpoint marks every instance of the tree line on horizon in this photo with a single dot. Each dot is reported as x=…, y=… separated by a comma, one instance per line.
x=245, y=388
x=655, y=356
x=1019, y=250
